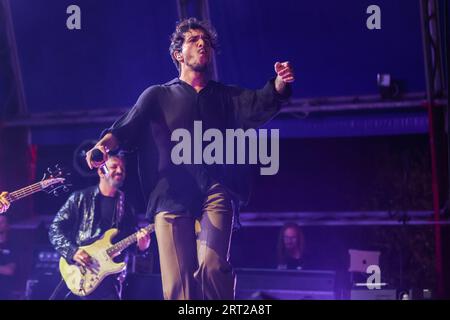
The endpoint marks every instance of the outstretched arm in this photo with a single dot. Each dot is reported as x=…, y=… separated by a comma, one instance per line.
x=128, y=129
x=253, y=108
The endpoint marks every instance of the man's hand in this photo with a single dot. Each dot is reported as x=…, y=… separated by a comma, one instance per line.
x=143, y=239
x=82, y=257
x=4, y=203
x=106, y=144
x=94, y=164
x=285, y=74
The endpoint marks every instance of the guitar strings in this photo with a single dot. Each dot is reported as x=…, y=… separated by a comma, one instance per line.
x=24, y=192
x=119, y=246
x=16, y=195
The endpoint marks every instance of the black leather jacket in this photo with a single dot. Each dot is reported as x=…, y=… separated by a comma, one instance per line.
x=76, y=224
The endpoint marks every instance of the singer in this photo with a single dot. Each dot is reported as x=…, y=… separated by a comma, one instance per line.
x=193, y=206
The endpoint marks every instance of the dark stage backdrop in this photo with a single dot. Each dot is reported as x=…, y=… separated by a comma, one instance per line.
x=122, y=48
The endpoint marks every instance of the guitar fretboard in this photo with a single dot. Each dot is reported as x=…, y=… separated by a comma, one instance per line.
x=125, y=243
x=21, y=193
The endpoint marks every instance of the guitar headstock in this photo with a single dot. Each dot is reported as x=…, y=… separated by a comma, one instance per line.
x=55, y=181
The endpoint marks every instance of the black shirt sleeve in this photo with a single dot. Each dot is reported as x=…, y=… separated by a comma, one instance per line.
x=128, y=127
x=253, y=108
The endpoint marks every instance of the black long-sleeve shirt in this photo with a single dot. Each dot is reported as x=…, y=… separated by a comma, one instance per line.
x=161, y=109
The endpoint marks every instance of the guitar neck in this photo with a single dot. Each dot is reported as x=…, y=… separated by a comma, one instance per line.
x=128, y=241
x=24, y=192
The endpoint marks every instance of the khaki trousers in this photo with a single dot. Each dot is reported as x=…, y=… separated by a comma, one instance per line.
x=194, y=253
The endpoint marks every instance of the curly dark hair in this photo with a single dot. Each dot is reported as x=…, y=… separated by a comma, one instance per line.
x=177, y=38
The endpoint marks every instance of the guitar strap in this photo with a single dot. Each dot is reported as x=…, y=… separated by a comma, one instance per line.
x=120, y=209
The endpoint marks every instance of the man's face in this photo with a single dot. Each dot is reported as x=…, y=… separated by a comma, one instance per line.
x=196, y=50
x=290, y=238
x=116, y=172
